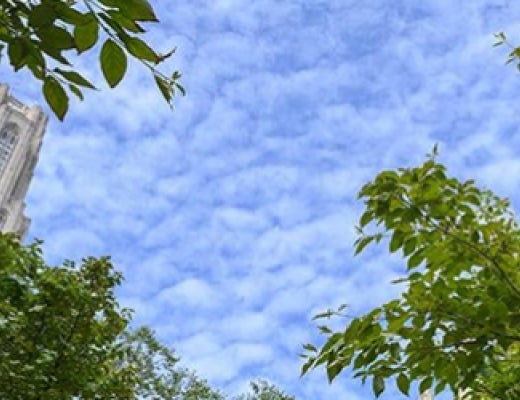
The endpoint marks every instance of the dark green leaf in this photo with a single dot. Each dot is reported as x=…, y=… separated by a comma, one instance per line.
x=86, y=36
x=140, y=49
x=378, y=385
x=396, y=242
x=415, y=259
x=73, y=16
x=409, y=246
x=365, y=218
x=403, y=384
x=74, y=89
x=137, y=10
x=17, y=51
x=425, y=384
x=113, y=62
x=124, y=22
x=42, y=15
x=55, y=97
x=74, y=77
x=56, y=37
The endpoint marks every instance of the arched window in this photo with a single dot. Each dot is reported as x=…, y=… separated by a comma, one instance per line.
x=8, y=137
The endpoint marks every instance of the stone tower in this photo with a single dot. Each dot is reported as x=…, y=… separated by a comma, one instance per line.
x=428, y=395
x=21, y=133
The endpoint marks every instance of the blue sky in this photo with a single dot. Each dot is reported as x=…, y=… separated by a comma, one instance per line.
x=232, y=216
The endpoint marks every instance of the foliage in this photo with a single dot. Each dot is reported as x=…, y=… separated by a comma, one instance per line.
x=58, y=327
x=263, y=390
x=514, y=53
x=63, y=336
x=41, y=35
x=157, y=372
x=456, y=324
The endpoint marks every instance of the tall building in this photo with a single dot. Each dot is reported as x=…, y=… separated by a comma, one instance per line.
x=428, y=395
x=21, y=133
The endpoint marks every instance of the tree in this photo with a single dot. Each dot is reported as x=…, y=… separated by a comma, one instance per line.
x=457, y=323
x=263, y=390
x=42, y=35
x=157, y=372
x=64, y=336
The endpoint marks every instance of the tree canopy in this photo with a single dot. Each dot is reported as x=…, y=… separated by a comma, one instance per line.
x=64, y=336
x=263, y=390
x=456, y=324
x=42, y=35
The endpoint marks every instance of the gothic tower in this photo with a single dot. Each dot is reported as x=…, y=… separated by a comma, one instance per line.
x=428, y=395
x=21, y=133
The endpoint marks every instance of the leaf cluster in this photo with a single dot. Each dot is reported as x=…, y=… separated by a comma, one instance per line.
x=263, y=390
x=63, y=336
x=514, y=53
x=59, y=327
x=456, y=324
x=156, y=370
x=40, y=35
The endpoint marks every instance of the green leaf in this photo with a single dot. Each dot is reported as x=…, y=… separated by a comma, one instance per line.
x=140, y=49
x=56, y=37
x=56, y=97
x=180, y=88
x=397, y=241
x=306, y=366
x=86, y=36
x=74, y=89
x=17, y=51
x=124, y=22
x=366, y=218
x=74, y=77
x=137, y=10
x=113, y=62
x=41, y=15
x=439, y=387
x=403, y=384
x=409, y=246
x=378, y=385
x=363, y=242
x=415, y=259
x=333, y=370
x=310, y=347
x=73, y=16
x=425, y=384
x=53, y=52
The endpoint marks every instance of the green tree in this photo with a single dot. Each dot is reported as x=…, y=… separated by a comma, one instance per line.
x=457, y=323
x=263, y=390
x=157, y=373
x=63, y=336
x=42, y=36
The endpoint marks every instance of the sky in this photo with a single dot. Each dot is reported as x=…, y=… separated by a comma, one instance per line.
x=232, y=217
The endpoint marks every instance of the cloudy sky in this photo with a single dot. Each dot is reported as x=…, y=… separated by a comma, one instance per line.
x=232, y=216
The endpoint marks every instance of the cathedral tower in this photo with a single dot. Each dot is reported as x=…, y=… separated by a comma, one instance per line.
x=21, y=133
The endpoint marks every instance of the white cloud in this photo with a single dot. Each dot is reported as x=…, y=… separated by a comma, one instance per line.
x=190, y=293
x=232, y=216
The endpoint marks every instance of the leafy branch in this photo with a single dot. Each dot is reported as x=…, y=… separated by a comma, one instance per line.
x=40, y=35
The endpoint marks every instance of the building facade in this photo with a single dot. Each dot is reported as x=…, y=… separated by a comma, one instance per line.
x=21, y=133
x=428, y=395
